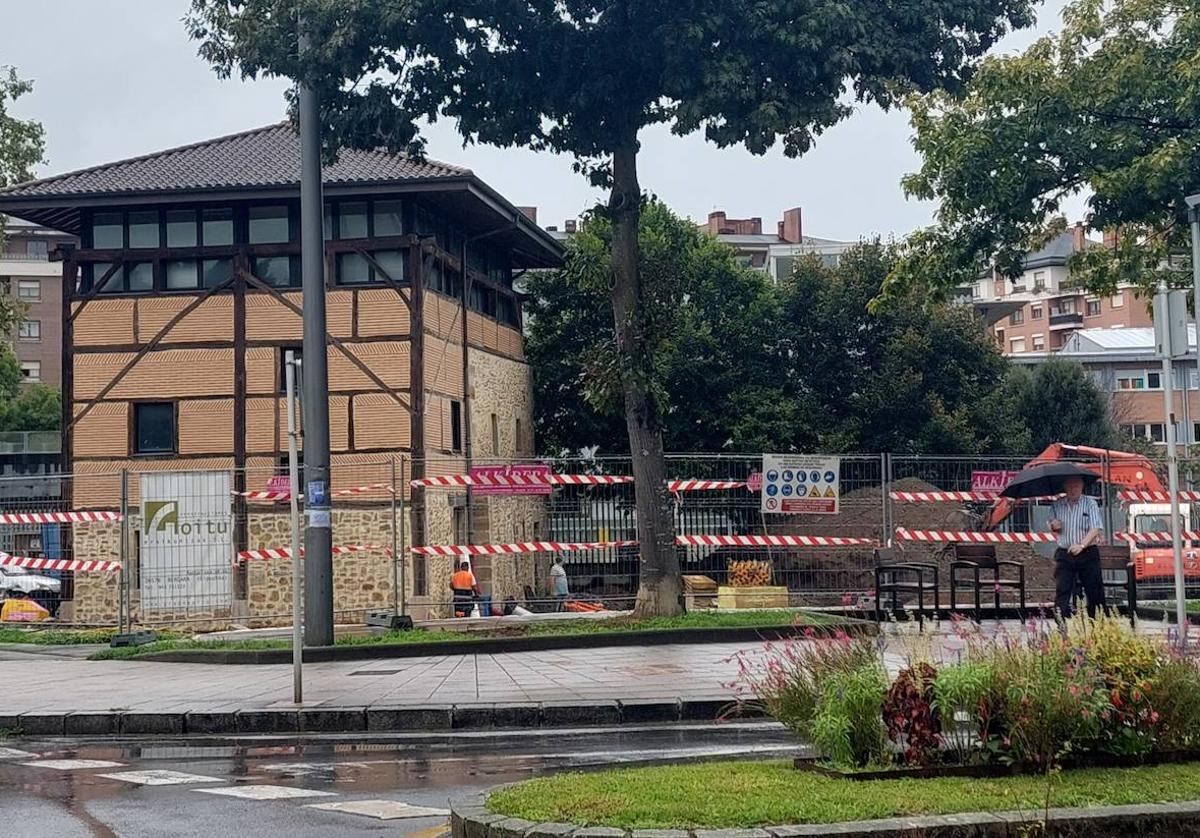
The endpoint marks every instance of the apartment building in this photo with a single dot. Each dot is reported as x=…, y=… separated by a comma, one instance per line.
x=1039, y=310
x=1123, y=363
x=184, y=297
x=28, y=276
x=773, y=253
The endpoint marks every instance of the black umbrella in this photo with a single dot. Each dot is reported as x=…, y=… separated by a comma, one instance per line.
x=1041, y=481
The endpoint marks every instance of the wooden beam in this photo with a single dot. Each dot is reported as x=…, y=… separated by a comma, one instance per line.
x=145, y=350
x=67, y=365
x=396, y=286
x=334, y=342
x=93, y=291
x=240, y=534
x=416, y=359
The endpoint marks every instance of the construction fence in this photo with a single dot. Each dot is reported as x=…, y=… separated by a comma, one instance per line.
x=163, y=546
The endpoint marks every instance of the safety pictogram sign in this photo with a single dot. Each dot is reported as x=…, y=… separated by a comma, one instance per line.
x=800, y=484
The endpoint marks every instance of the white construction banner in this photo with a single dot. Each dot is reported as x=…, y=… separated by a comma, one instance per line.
x=800, y=484
x=186, y=540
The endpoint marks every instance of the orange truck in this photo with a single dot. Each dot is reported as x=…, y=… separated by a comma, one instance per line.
x=1124, y=470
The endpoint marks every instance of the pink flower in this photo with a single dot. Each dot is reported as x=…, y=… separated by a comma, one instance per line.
x=1154, y=717
x=847, y=599
x=1087, y=714
x=1075, y=690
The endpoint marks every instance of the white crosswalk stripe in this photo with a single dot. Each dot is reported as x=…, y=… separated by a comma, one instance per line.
x=265, y=792
x=14, y=753
x=72, y=764
x=384, y=810
x=160, y=777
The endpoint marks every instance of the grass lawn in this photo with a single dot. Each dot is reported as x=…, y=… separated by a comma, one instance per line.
x=1192, y=606
x=745, y=794
x=55, y=637
x=740, y=619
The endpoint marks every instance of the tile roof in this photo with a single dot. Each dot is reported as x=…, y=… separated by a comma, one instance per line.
x=263, y=157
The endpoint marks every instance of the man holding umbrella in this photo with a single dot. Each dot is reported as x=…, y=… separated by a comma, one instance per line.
x=1078, y=524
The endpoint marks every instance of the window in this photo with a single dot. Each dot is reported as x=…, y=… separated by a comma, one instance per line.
x=182, y=229
x=1039, y=280
x=1017, y=318
x=30, y=330
x=495, y=435
x=389, y=218
x=143, y=230
x=1039, y=343
x=181, y=275
x=107, y=231
x=1016, y=345
x=31, y=371
x=352, y=220
x=1117, y=300
x=1035, y=313
x=975, y=292
x=517, y=439
x=154, y=428
x=273, y=270
x=506, y=311
x=29, y=289
x=1131, y=381
x=216, y=227
x=420, y=577
x=140, y=276
x=392, y=262
x=1093, y=308
x=1153, y=431
x=352, y=268
x=37, y=249
x=458, y=522
x=215, y=271
x=1066, y=306
x=269, y=225
x=456, y=443
x=1154, y=380
x=483, y=299
x=283, y=351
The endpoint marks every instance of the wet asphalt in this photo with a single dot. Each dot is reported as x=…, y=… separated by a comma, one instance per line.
x=425, y=770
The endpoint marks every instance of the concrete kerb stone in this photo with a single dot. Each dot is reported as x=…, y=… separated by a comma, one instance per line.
x=268, y=721
x=473, y=716
x=510, y=828
x=553, y=830
x=332, y=719
x=440, y=717
x=92, y=724
x=210, y=722
x=42, y=724
x=643, y=711
x=660, y=833
x=478, y=826
x=10, y=722
x=600, y=832
x=153, y=723
x=572, y=714
x=731, y=833
x=517, y=714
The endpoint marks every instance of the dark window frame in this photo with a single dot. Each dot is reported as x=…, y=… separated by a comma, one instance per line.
x=456, y=426
x=134, y=437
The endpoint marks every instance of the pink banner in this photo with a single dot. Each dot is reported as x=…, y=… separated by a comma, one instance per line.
x=511, y=480
x=991, y=481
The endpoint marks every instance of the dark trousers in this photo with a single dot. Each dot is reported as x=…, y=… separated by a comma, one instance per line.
x=1086, y=569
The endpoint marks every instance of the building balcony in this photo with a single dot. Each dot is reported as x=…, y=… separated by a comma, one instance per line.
x=1072, y=320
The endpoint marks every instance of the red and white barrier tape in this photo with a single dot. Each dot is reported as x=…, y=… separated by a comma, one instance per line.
x=522, y=547
x=770, y=541
x=286, y=552
x=1138, y=496
x=521, y=480
x=1156, y=537
x=58, y=564
x=975, y=537
x=73, y=517
x=268, y=495
x=703, y=485
x=934, y=497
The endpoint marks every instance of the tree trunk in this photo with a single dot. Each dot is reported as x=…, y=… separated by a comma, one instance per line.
x=660, y=585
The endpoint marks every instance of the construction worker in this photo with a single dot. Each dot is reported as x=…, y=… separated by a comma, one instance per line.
x=464, y=588
x=558, y=583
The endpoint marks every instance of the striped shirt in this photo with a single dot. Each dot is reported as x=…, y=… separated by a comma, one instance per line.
x=1078, y=519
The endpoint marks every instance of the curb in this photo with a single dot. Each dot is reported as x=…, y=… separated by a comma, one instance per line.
x=500, y=645
x=470, y=818
x=379, y=718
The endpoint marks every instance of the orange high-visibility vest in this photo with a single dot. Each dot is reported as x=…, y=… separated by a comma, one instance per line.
x=463, y=580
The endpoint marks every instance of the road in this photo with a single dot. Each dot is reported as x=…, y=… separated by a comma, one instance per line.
x=344, y=785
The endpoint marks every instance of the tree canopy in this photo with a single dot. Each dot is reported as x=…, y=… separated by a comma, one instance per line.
x=1060, y=403
x=34, y=407
x=1110, y=107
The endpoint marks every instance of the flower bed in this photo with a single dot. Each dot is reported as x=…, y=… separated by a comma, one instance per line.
x=1030, y=700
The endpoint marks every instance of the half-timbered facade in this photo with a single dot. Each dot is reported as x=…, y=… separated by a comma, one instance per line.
x=184, y=295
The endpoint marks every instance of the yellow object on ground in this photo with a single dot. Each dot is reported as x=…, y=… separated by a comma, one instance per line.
x=22, y=611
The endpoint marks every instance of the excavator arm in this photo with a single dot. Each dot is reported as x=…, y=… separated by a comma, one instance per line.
x=1124, y=469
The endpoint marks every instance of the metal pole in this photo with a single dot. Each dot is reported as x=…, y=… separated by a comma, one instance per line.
x=123, y=590
x=395, y=548
x=403, y=552
x=297, y=556
x=1193, y=202
x=318, y=533
x=1162, y=323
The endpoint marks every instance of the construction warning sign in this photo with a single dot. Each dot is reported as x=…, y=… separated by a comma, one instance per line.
x=799, y=483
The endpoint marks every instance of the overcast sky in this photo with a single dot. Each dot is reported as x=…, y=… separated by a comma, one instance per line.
x=118, y=78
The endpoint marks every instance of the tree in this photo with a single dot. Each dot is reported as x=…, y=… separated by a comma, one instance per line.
x=910, y=378
x=31, y=408
x=22, y=145
x=715, y=369
x=583, y=77
x=1109, y=106
x=1060, y=403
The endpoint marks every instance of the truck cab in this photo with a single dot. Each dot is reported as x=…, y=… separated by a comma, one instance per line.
x=1156, y=561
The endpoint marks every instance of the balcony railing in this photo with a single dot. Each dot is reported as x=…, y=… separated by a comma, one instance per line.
x=24, y=257
x=30, y=442
x=1065, y=320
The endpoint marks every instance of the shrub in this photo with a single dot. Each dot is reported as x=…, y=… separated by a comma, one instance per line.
x=965, y=697
x=912, y=719
x=847, y=726
x=1174, y=696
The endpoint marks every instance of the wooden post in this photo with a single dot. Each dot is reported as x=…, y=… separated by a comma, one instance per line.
x=241, y=265
x=416, y=401
x=69, y=268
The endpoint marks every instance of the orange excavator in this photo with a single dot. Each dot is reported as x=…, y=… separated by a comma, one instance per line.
x=1128, y=471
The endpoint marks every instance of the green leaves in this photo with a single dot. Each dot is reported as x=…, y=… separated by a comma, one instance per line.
x=1110, y=107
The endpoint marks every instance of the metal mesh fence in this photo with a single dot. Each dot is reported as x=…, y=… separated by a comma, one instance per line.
x=206, y=548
